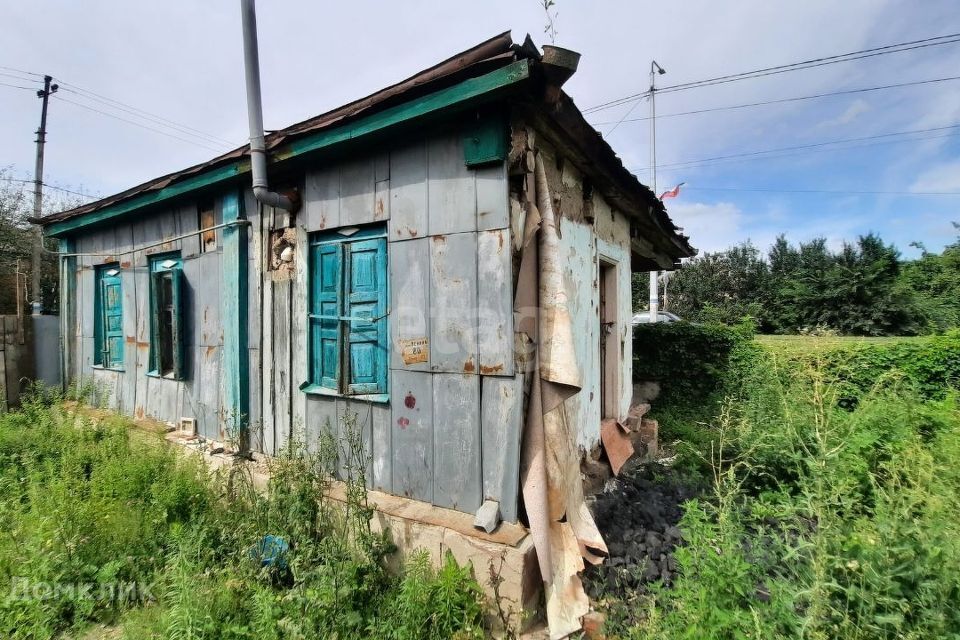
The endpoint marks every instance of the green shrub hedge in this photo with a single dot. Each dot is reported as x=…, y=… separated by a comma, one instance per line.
x=690, y=361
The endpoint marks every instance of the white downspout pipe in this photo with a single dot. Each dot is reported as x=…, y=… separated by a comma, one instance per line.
x=258, y=150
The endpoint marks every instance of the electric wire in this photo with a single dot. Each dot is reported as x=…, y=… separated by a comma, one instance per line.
x=826, y=191
x=784, y=68
x=815, y=145
x=16, y=86
x=783, y=100
x=141, y=113
x=139, y=124
x=51, y=186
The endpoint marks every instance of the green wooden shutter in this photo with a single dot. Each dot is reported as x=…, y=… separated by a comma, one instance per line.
x=366, y=294
x=325, y=312
x=176, y=275
x=156, y=311
x=112, y=320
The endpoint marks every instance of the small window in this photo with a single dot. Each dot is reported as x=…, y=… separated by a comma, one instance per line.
x=207, y=219
x=166, y=316
x=108, y=311
x=348, y=311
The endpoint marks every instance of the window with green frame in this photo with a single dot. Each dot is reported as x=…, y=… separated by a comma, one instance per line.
x=108, y=318
x=348, y=311
x=166, y=316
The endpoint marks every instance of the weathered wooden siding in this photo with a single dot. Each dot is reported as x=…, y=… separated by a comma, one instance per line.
x=450, y=280
x=131, y=390
x=591, y=231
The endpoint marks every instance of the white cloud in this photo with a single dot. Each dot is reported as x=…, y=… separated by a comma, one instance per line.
x=943, y=177
x=711, y=227
x=856, y=108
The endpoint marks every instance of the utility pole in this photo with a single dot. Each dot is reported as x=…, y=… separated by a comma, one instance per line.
x=655, y=69
x=44, y=95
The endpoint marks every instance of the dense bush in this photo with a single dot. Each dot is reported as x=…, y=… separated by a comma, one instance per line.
x=836, y=495
x=689, y=361
x=102, y=523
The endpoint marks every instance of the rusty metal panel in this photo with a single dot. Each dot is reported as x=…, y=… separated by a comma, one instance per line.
x=208, y=404
x=206, y=299
x=411, y=425
x=357, y=191
x=280, y=363
x=501, y=423
x=495, y=302
x=410, y=304
x=408, y=192
x=453, y=300
x=457, y=476
x=452, y=189
x=321, y=197
x=493, y=207
x=188, y=220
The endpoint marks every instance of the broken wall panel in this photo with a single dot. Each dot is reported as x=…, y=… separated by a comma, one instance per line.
x=501, y=418
x=457, y=482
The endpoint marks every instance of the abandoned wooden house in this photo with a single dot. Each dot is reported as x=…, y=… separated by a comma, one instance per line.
x=452, y=240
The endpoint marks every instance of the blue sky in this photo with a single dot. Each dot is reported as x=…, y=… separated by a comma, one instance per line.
x=182, y=60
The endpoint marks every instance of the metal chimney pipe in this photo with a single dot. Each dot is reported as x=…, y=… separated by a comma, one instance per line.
x=258, y=150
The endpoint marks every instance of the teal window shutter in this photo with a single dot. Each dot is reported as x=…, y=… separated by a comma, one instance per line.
x=326, y=309
x=166, y=317
x=348, y=311
x=366, y=309
x=108, y=329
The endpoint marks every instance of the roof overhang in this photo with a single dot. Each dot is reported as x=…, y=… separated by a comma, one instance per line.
x=465, y=95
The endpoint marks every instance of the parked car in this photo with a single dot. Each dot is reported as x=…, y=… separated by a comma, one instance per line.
x=662, y=316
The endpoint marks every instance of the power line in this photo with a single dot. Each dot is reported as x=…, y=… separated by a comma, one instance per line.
x=794, y=66
x=814, y=145
x=783, y=100
x=140, y=124
x=16, y=86
x=140, y=113
x=828, y=191
x=29, y=73
x=52, y=186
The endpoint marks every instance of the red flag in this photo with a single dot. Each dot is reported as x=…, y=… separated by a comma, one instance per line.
x=673, y=193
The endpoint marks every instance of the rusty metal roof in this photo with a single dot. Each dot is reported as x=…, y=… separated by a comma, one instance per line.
x=487, y=56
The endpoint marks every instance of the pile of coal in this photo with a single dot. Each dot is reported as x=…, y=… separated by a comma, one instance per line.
x=638, y=515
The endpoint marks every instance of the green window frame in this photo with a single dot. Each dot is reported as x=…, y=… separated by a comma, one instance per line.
x=347, y=315
x=108, y=317
x=166, y=316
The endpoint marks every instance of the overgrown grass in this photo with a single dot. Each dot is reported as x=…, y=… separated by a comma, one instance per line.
x=98, y=527
x=835, y=506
